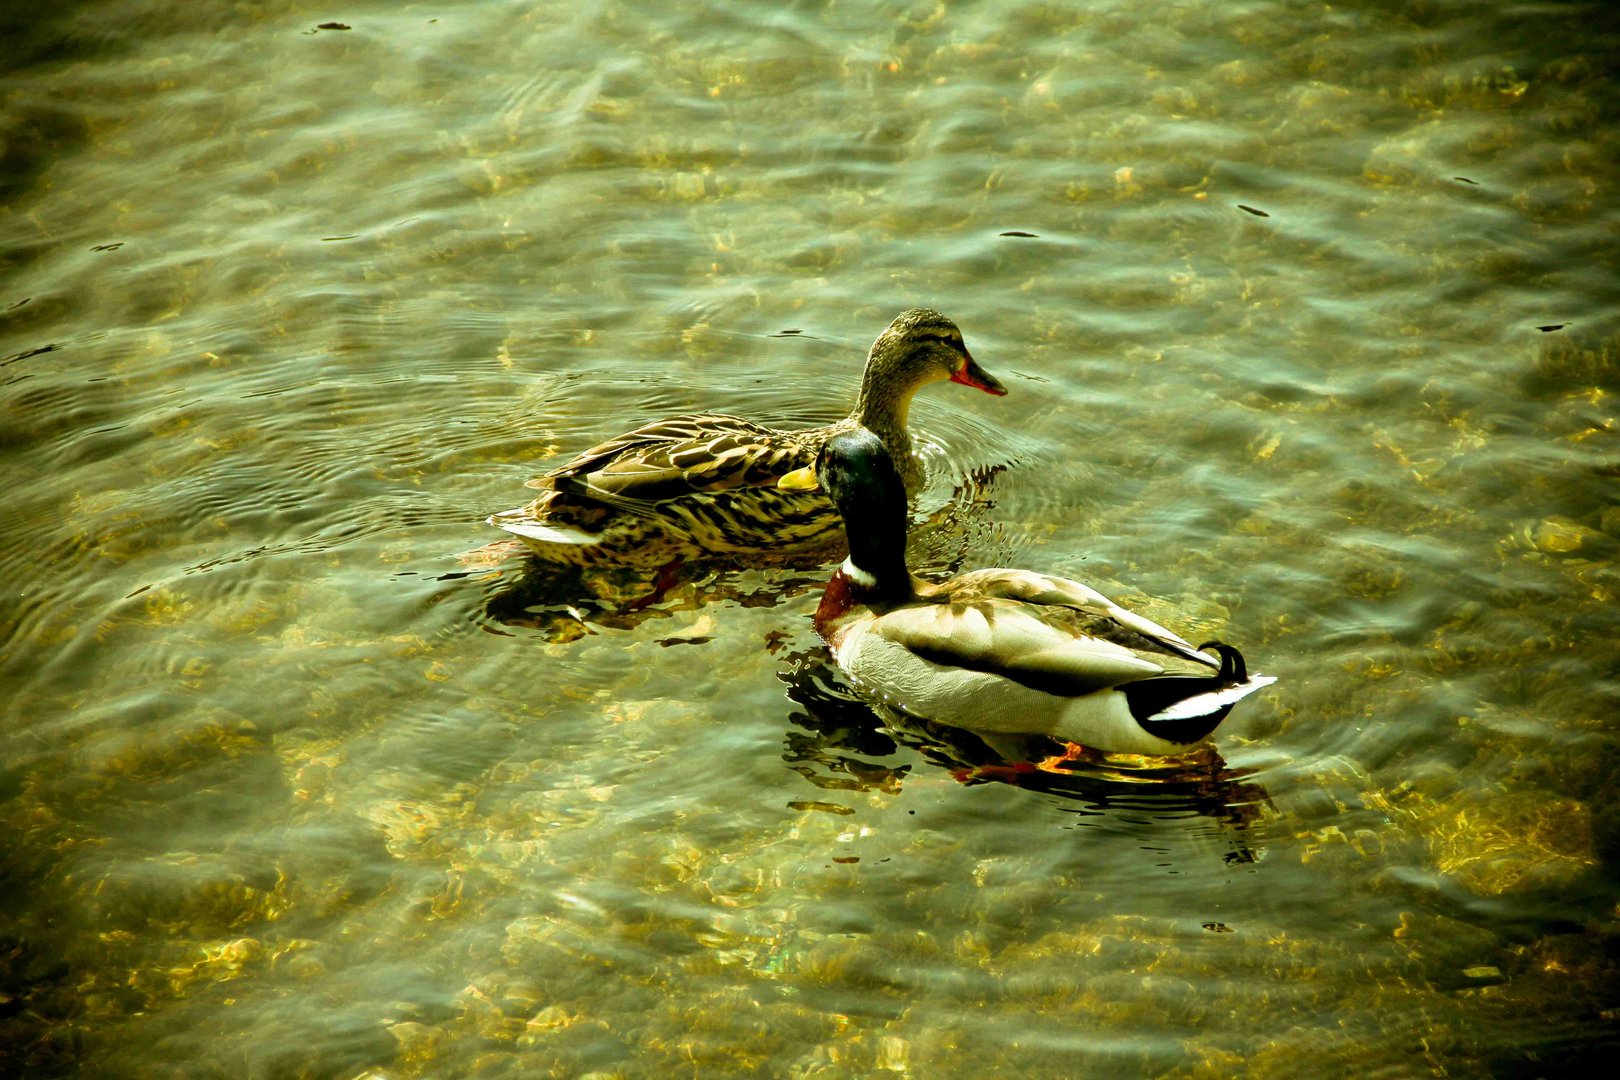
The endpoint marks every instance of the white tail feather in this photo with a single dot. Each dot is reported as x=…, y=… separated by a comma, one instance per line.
x=1206, y=703
x=545, y=534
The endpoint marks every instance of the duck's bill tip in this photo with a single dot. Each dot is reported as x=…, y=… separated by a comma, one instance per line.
x=799, y=480
x=971, y=374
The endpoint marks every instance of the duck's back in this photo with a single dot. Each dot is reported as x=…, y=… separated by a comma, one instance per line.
x=703, y=483
x=683, y=455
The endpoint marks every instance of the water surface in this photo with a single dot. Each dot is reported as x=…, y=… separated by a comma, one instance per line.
x=1307, y=317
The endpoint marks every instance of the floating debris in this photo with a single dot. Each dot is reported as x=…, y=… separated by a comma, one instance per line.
x=824, y=807
x=31, y=352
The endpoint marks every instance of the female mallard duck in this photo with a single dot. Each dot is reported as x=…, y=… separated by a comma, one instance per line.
x=706, y=484
x=1004, y=651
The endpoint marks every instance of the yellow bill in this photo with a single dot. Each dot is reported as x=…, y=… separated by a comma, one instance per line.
x=799, y=480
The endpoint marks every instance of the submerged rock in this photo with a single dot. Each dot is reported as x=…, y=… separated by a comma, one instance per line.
x=1561, y=536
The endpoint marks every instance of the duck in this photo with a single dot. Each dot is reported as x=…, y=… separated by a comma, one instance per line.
x=1004, y=651
x=706, y=484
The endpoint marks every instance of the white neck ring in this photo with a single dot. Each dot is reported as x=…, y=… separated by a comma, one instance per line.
x=857, y=575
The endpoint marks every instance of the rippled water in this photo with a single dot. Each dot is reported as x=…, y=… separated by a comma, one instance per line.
x=1307, y=314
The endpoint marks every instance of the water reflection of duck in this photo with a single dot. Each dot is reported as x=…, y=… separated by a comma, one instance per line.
x=1005, y=651
x=706, y=484
x=568, y=603
x=842, y=742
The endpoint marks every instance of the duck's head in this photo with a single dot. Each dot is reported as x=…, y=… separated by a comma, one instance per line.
x=858, y=475
x=921, y=346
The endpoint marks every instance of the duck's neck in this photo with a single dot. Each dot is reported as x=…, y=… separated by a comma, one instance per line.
x=882, y=409
x=875, y=572
x=852, y=586
x=871, y=498
x=884, y=414
x=884, y=402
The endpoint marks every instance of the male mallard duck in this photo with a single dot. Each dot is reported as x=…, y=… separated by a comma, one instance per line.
x=707, y=483
x=1004, y=651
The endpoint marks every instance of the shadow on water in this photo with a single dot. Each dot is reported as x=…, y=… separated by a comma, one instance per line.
x=836, y=725
x=38, y=129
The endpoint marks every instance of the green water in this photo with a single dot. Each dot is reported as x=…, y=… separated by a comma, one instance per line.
x=303, y=779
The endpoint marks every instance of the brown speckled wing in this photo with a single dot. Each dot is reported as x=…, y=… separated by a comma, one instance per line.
x=682, y=456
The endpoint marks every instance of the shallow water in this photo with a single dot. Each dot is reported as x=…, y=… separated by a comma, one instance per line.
x=1311, y=346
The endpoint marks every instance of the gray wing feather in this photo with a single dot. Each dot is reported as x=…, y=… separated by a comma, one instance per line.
x=1044, y=589
x=997, y=637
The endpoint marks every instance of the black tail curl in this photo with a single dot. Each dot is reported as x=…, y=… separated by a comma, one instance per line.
x=1233, y=669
